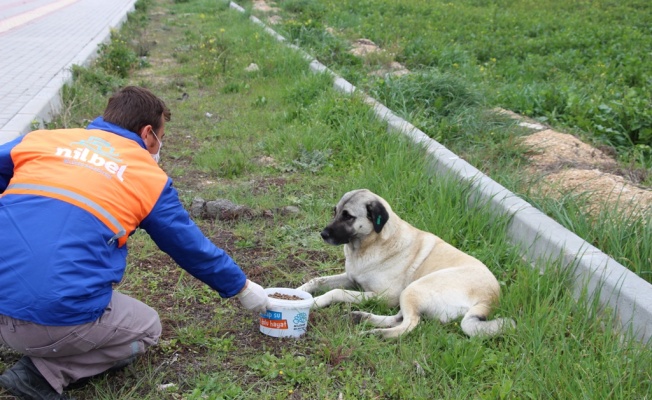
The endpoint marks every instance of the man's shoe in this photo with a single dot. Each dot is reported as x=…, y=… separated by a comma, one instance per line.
x=25, y=381
x=122, y=364
x=118, y=366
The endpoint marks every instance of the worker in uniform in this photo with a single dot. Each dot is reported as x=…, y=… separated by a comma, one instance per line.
x=69, y=199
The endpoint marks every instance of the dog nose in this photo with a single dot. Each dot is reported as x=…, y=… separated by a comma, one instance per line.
x=325, y=234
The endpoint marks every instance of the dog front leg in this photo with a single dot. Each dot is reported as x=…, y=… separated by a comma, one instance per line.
x=327, y=282
x=341, y=296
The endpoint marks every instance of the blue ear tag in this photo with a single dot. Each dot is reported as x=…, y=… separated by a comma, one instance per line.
x=378, y=220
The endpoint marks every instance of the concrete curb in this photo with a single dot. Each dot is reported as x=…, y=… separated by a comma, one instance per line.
x=539, y=237
x=47, y=101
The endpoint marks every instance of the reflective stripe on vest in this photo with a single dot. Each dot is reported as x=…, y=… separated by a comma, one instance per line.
x=89, y=204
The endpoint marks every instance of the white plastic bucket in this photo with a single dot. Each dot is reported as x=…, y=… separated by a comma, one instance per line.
x=286, y=318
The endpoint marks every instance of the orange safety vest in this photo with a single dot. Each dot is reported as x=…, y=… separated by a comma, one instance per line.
x=110, y=176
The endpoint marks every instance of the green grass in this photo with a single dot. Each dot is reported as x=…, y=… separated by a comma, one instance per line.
x=468, y=57
x=321, y=144
x=582, y=65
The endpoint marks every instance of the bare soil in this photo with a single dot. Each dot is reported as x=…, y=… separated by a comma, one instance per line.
x=562, y=165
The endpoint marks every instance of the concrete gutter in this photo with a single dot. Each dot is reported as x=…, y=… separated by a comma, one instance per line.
x=540, y=238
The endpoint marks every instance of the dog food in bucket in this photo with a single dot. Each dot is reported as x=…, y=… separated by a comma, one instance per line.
x=287, y=313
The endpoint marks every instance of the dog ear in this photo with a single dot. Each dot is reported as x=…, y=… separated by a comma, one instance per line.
x=377, y=214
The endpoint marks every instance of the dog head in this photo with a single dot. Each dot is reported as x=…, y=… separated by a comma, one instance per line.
x=358, y=214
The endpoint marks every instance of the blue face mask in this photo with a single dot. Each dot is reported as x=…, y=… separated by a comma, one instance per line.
x=157, y=156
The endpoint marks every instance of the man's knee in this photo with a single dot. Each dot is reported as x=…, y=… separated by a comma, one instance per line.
x=151, y=324
x=155, y=331
x=129, y=311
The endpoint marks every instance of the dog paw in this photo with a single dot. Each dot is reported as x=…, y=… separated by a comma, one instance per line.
x=379, y=333
x=508, y=324
x=308, y=287
x=358, y=317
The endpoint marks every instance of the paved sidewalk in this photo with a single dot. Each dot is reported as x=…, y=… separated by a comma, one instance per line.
x=39, y=42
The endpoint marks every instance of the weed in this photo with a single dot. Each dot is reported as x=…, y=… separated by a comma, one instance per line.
x=216, y=387
x=116, y=57
x=308, y=161
x=98, y=79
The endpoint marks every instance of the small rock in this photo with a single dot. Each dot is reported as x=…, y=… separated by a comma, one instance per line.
x=226, y=210
x=215, y=207
x=197, y=207
x=289, y=210
x=166, y=386
x=253, y=67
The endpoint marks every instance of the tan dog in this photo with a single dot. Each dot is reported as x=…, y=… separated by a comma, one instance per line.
x=417, y=270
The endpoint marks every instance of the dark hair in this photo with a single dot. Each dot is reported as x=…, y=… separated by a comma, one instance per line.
x=134, y=107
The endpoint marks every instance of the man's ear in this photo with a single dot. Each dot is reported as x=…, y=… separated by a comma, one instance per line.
x=378, y=215
x=144, y=131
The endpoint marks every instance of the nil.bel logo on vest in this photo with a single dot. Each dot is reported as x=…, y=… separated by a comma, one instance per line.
x=95, y=152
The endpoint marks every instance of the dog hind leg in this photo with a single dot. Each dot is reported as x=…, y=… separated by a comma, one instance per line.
x=411, y=317
x=379, y=321
x=423, y=297
x=475, y=322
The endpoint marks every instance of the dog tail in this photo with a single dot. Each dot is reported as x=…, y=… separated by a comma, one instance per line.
x=475, y=322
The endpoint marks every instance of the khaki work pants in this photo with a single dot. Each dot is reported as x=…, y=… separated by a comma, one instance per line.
x=65, y=354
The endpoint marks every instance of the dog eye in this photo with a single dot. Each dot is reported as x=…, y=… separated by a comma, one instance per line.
x=346, y=215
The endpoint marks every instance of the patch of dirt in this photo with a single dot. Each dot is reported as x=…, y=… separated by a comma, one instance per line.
x=264, y=6
x=365, y=48
x=599, y=190
x=568, y=166
x=550, y=148
x=394, y=69
x=562, y=165
x=267, y=8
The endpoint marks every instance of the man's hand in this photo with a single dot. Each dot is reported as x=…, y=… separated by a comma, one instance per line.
x=253, y=297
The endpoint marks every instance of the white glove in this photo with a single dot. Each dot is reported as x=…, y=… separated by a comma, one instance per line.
x=254, y=297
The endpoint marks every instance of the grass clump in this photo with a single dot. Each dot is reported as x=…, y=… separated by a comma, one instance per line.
x=436, y=102
x=575, y=65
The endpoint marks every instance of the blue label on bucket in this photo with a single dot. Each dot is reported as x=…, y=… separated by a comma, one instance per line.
x=275, y=315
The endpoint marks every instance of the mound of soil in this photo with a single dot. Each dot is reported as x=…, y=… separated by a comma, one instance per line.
x=566, y=165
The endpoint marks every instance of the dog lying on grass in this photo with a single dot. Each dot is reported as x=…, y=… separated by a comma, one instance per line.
x=424, y=275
